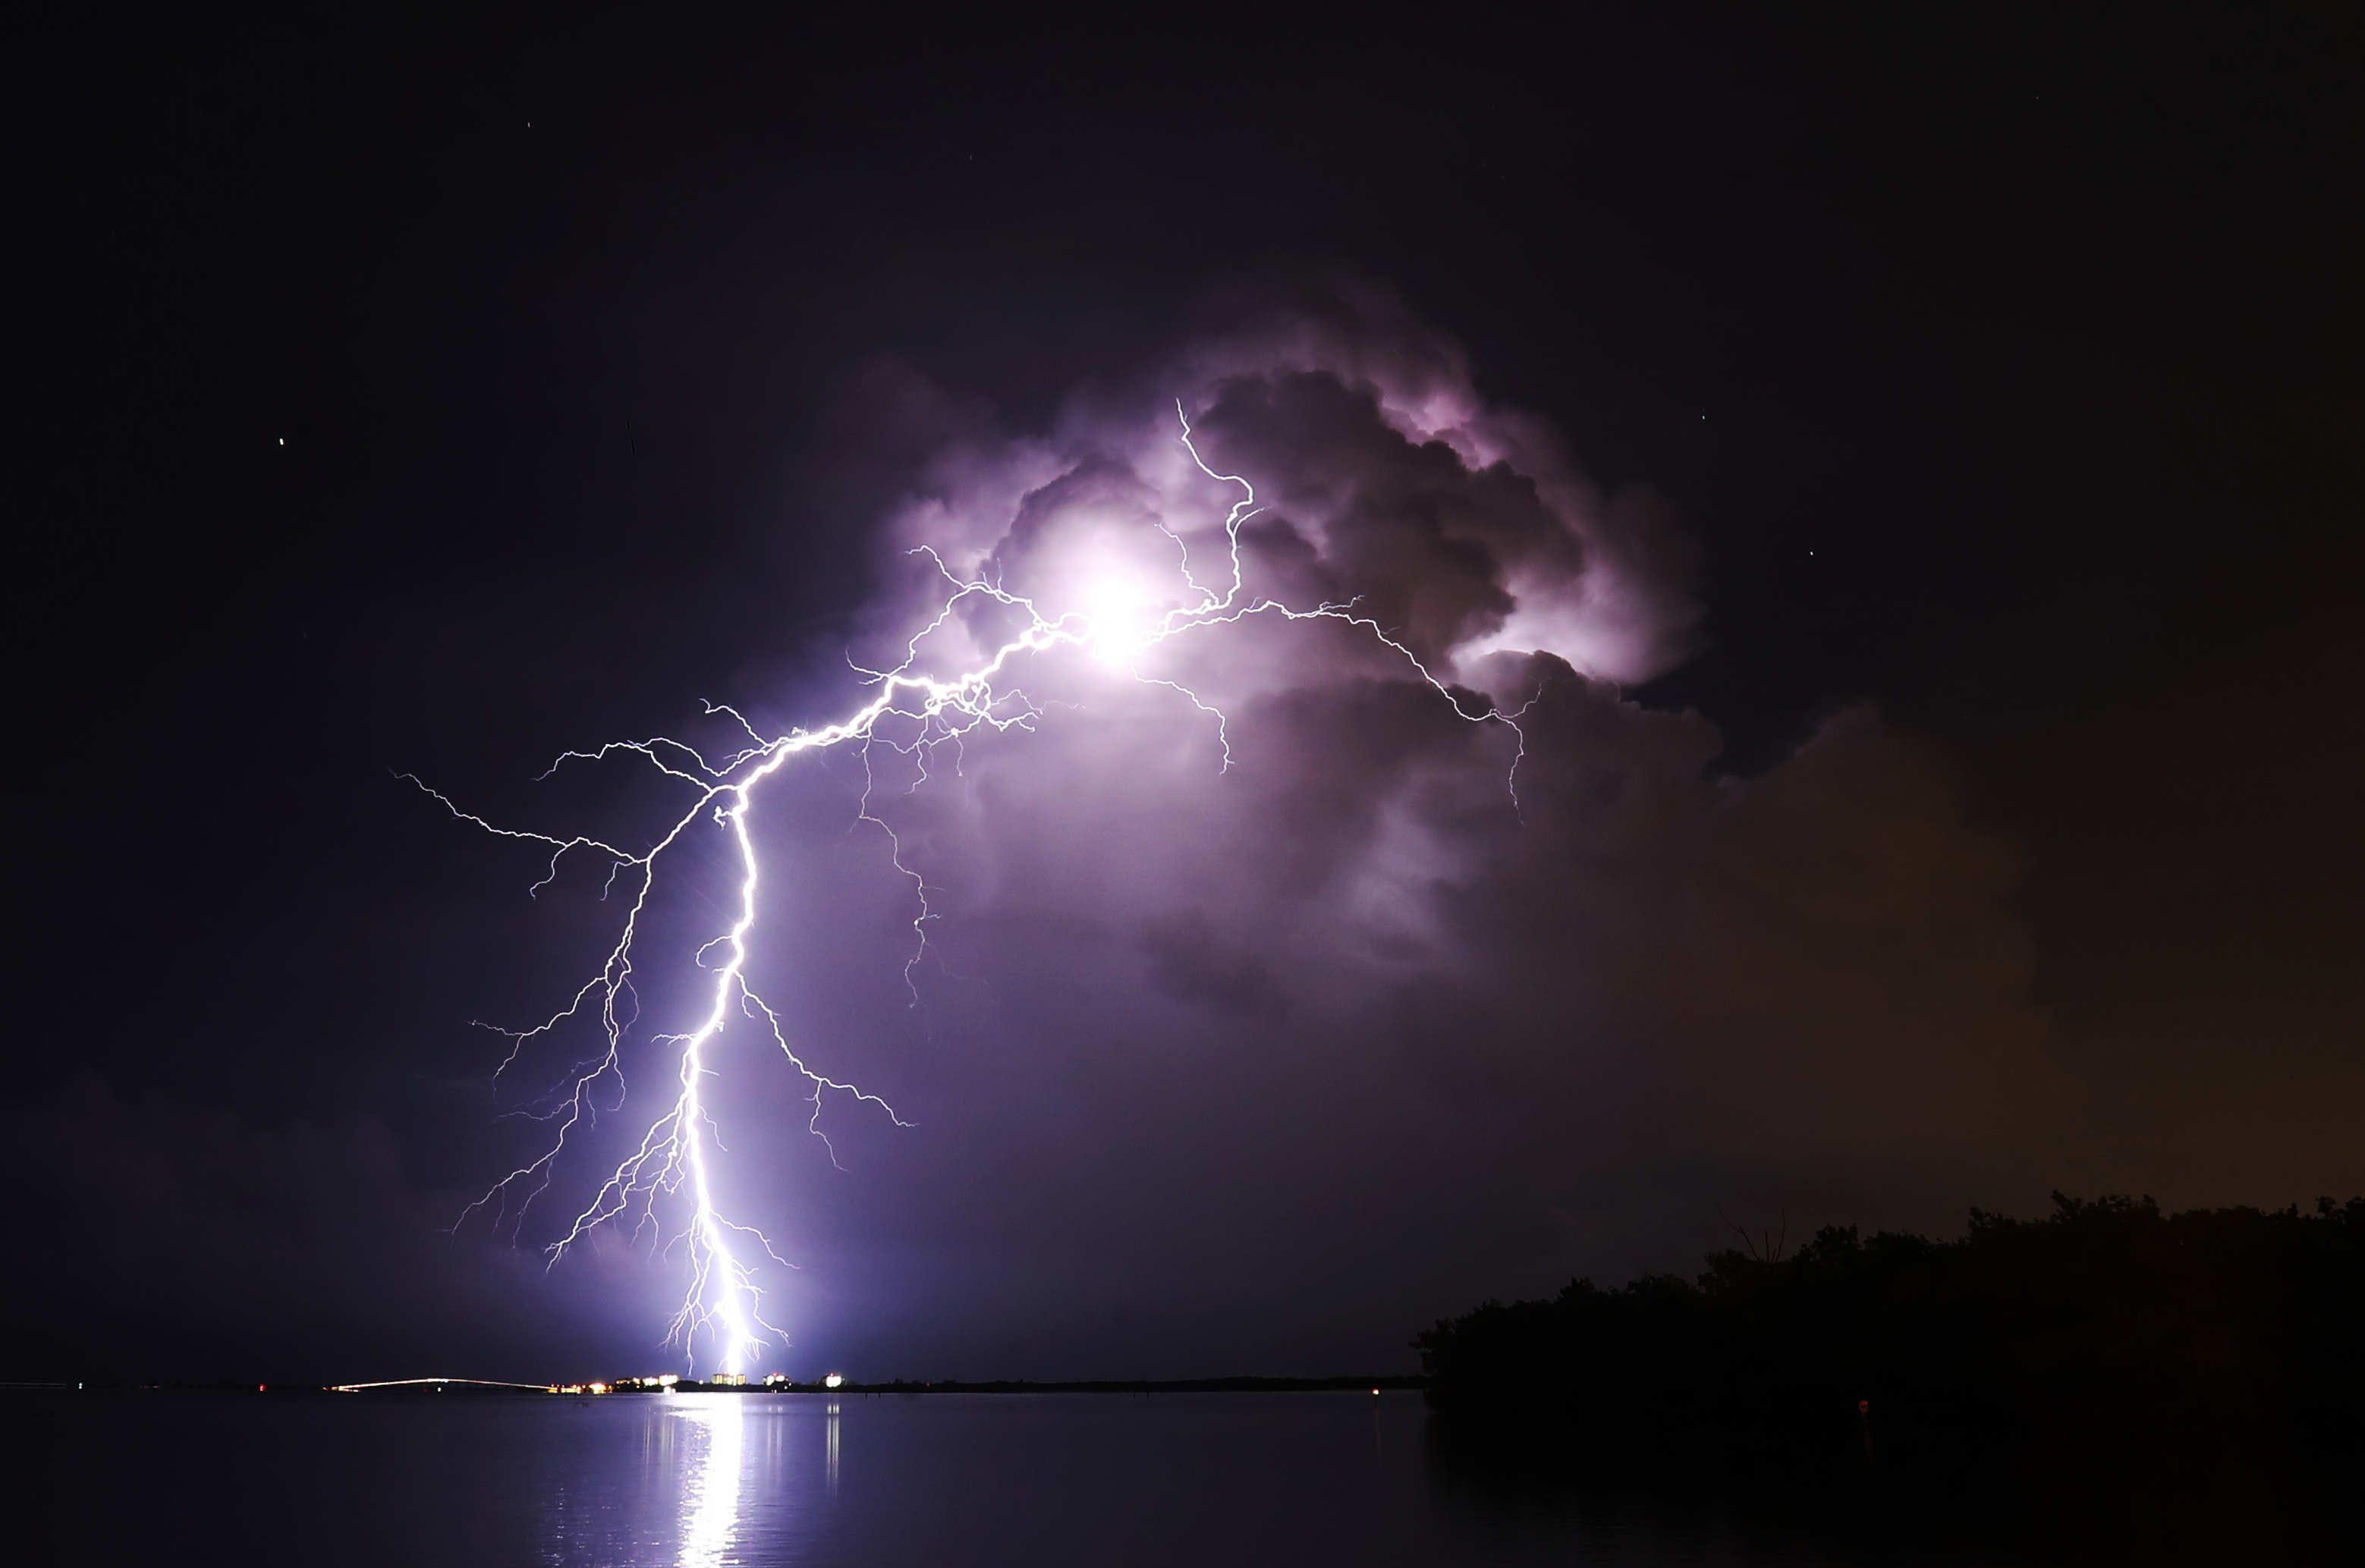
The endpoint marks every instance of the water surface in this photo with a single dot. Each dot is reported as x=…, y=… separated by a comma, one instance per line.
x=861, y=1479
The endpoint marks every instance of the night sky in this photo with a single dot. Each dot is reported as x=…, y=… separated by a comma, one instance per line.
x=1930, y=445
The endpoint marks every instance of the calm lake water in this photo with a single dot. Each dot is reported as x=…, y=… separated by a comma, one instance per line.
x=936, y=1480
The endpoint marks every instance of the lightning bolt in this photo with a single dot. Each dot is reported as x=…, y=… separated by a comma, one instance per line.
x=664, y=1186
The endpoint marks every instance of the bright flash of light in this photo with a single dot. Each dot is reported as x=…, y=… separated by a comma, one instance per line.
x=1122, y=619
x=664, y=1187
x=710, y=1495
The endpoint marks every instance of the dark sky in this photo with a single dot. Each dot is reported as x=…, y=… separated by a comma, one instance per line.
x=1972, y=401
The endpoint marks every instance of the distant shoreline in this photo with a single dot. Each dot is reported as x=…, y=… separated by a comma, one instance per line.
x=441, y=1387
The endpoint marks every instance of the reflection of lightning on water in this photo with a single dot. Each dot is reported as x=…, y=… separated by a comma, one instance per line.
x=829, y=1449
x=664, y=1183
x=711, y=1490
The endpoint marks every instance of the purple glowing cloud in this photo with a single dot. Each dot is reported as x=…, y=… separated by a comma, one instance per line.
x=1206, y=744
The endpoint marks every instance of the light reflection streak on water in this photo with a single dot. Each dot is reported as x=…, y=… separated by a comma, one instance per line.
x=831, y=1444
x=710, y=1492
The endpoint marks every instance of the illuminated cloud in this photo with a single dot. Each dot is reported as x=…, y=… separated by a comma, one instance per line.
x=1464, y=528
x=1350, y=969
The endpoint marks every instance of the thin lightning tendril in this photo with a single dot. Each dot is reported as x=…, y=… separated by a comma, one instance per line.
x=671, y=1163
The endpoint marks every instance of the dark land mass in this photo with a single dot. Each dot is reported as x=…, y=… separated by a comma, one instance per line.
x=1142, y=1385
x=2104, y=1381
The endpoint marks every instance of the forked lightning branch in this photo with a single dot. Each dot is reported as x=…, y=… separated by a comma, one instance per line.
x=663, y=1188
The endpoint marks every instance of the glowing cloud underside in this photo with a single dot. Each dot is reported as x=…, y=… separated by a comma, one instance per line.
x=664, y=1183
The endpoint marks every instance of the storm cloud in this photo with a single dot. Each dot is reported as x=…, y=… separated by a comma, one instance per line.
x=1489, y=1007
